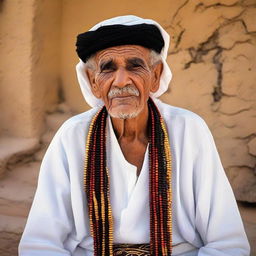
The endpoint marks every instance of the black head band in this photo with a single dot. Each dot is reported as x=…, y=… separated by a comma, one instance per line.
x=146, y=35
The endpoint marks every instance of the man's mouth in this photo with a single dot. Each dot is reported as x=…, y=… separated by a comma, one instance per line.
x=123, y=96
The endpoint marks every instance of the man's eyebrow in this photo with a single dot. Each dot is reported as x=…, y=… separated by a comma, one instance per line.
x=136, y=61
x=107, y=64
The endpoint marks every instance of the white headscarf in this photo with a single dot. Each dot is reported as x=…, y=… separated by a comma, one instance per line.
x=125, y=20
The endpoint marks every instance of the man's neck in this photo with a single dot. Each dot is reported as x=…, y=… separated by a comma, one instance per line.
x=132, y=136
x=132, y=128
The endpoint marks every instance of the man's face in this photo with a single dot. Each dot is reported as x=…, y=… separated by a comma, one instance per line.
x=123, y=79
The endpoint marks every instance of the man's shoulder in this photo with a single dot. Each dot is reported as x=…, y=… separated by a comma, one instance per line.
x=180, y=121
x=82, y=120
x=173, y=113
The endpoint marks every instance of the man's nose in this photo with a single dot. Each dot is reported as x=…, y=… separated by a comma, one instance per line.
x=121, y=78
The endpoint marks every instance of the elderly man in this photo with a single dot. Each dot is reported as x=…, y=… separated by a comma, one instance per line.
x=132, y=176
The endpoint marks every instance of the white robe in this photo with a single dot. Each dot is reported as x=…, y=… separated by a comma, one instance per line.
x=206, y=220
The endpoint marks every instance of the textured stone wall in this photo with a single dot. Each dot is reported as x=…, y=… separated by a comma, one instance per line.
x=213, y=58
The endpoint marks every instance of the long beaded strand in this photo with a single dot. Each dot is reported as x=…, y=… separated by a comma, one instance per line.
x=160, y=185
x=96, y=180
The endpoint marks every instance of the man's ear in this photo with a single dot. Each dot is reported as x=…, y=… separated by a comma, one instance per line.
x=94, y=87
x=157, y=72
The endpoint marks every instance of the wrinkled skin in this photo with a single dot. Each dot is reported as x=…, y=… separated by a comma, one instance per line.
x=126, y=67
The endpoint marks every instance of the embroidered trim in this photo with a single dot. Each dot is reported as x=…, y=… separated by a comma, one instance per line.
x=131, y=249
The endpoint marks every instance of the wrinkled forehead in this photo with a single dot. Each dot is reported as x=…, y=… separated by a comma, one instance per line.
x=124, y=53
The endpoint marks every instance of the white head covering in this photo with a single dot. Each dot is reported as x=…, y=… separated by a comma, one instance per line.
x=125, y=20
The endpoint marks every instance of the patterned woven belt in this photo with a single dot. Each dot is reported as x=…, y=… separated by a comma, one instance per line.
x=131, y=250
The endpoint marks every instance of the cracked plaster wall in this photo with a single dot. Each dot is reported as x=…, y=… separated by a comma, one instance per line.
x=213, y=59
x=212, y=56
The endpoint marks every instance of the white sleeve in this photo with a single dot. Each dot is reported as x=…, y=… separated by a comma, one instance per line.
x=50, y=219
x=217, y=216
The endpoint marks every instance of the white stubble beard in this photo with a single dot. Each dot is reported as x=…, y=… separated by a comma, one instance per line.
x=122, y=115
x=133, y=91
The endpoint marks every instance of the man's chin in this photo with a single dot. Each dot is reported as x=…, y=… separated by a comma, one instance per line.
x=124, y=114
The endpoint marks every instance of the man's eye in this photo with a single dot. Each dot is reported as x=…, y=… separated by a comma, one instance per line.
x=106, y=69
x=134, y=66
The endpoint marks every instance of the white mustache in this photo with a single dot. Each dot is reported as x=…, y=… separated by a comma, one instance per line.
x=129, y=89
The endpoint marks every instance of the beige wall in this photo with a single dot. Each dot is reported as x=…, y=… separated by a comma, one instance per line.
x=29, y=67
x=212, y=57
x=15, y=67
x=214, y=64
x=46, y=47
x=79, y=15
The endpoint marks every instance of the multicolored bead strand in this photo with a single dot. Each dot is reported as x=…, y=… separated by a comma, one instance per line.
x=160, y=185
x=96, y=181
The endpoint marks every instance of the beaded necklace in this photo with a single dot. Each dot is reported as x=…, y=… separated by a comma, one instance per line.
x=96, y=181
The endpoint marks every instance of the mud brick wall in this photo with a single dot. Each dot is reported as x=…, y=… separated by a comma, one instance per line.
x=213, y=58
